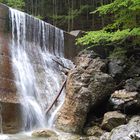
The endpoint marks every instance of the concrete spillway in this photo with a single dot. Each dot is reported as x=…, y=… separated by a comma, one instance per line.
x=29, y=78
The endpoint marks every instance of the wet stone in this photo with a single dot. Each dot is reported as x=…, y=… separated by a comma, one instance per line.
x=44, y=133
x=112, y=120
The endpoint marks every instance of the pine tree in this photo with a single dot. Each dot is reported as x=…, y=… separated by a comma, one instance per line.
x=126, y=24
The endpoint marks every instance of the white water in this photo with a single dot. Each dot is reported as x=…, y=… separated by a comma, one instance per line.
x=38, y=78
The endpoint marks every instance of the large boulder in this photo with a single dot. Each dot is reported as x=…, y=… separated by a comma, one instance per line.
x=117, y=68
x=101, y=85
x=130, y=131
x=77, y=33
x=125, y=100
x=112, y=120
x=72, y=115
x=134, y=70
x=132, y=84
x=87, y=86
x=105, y=136
x=44, y=133
x=93, y=131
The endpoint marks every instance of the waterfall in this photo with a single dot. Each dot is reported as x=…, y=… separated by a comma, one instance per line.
x=38, y=78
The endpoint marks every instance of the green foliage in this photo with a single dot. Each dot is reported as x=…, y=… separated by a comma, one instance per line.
x=71, y=14
x=18, y=4
x=126, y=24
x=95, y=38
x=125, y=11
x=102, y=37
x=39, y=16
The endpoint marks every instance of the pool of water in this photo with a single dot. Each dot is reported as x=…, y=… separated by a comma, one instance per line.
x=21, y=136
x=27, y=136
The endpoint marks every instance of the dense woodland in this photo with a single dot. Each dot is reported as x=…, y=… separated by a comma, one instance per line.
x=66, y=14
x=113, y=22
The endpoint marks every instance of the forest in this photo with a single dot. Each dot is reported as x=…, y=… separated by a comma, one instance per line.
x=64, y=14
x=111, y=20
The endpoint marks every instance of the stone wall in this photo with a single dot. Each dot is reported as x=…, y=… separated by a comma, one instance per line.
x=10, y=108
x=70, y=49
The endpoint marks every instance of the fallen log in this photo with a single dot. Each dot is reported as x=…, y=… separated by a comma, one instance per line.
x=50, y=107
x=61, y=64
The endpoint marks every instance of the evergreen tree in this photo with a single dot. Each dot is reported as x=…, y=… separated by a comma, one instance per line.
x=18, y=4
x=126, y=24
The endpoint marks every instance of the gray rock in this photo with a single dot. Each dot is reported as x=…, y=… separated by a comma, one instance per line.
x=77, y=33
x=44, y=133
x=117, y=68
x=130, y=131
x=88, y=53
x=96, y=65
x=134, y=70
x=112, y=120
x=100, y=86
x=93, y=131
x=89, y=138
x=135, y=135
x=133, y=84
x=105, y=136
x=88, y=58
x=125, y=100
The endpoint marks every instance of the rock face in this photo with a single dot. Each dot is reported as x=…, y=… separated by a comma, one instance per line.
x=117, y=68
x=93, y=131
x=131, y=131
x=70, y=49
x=112, y=120
x=105, y=136
x=11, y=117
x=134, y=70
x=125, y=100
x=133, y=84
x=87, y=86
x=4, y=27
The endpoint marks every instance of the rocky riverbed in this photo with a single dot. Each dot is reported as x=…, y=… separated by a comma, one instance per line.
x=102, y=99
x=102, y=102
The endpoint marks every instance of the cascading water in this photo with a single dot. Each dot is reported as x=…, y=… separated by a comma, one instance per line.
x=34, y=45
